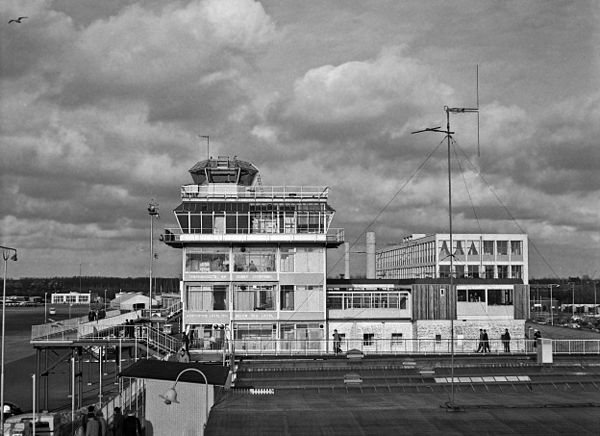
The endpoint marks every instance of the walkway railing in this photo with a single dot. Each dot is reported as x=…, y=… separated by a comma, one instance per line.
x=64, y=328
x=286, y=347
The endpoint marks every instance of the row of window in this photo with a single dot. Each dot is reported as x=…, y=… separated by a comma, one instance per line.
x=255, y=297
x=254, y=259
x=488, y=271
x=472, y=248
x=422, y=253
x=494, y=297
x=367, y=300
x=223, y=223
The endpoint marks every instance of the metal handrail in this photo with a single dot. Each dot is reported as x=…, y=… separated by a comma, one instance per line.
x=283, y=347
x=237, y=191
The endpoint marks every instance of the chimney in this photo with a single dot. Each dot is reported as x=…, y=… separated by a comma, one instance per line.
x=347, y=260
x=370, y=255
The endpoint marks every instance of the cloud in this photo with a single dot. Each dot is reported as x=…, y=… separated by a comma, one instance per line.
x=356, y=98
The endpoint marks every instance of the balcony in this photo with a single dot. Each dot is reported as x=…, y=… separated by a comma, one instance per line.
x=221, y=191
x=176, y=237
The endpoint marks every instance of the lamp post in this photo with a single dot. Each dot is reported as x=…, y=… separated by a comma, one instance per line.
x=45, y=311
x=170, y=396
x=573, y=294
x=6, y=255
x=153, y=212
x=552, y=303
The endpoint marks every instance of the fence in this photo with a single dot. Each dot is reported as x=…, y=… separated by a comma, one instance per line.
x=368, y=346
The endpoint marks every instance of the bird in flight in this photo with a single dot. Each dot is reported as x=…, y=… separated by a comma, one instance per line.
x=17, y=20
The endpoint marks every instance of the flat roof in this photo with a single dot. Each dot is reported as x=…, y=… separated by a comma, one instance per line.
x=166, y=370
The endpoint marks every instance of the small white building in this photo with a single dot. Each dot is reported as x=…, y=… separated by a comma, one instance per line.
x=128, y=301
x=71, y=298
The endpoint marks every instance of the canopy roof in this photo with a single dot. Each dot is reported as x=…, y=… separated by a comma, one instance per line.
x=224, y=170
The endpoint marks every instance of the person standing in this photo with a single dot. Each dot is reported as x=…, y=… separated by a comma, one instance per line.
x=116, y=423
x=185, y=340
x=103, y=424
x=337, y=342
x=486, y=342
x=536, y=335
x=480, y=345
x=92, y=425
x=132, y=426
x=183, y=356
x=506, y=341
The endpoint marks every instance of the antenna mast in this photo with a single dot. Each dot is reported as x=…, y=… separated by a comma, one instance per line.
x=207, y=137
x=449, y=133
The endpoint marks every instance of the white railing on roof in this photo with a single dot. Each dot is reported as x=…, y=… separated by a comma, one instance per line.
x=196, y=191
x=291, y=347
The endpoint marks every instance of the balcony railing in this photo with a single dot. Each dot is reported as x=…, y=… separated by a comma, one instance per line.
x=299, y=347
x=175, y=234
x=288, y=192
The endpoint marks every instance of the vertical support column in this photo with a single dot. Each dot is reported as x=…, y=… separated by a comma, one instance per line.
x=36, y=392
x=370, y=255
x=46, y=391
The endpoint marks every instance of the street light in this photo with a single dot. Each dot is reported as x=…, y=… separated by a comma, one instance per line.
x=153, y=212
x=552, y=303
x=6, y=255
x=170, y=396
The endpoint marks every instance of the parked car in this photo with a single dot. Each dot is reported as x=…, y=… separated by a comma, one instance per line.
x=52, y=311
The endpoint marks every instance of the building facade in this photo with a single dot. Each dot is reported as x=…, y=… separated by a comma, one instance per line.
x=71, y=298
x=416, y=315
x=475, y=255
x=253, y=258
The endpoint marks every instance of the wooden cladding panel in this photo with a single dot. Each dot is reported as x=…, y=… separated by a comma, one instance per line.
x=430, y=302
x=521, y=301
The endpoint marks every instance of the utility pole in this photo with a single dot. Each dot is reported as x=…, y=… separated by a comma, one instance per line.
x=153, y=212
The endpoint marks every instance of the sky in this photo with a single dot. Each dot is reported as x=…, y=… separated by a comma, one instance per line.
x=102, y=104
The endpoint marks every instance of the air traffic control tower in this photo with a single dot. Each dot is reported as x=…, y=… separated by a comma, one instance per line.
x=253, y=258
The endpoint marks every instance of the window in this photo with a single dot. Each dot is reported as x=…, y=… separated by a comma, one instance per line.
x=287, y=297
x=254, y=297
x=515, y=248
x=516, y=271
x=396, y=338
x=438, y=339
x=488, y=248
x=475, y=295
x=444, y=271
x=502, y=248
x=287, y=259
x=461, y=295
x=214, y=259
x=473, y=271
x=251, y=259
x=473, y=249
x=368, y=339
x=500, y=297
x=502, y=271
x=444, y=252
x=205, y=298
x=489, y=271
x=459, y=250
x=334, y=301
x=308, y=298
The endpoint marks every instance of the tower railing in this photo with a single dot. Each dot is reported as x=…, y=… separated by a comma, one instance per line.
x=289, y=192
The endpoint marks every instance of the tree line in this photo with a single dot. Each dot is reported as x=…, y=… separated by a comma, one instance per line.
x=37, y=286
